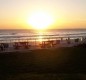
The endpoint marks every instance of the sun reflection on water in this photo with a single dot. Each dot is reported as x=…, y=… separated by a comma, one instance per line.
x=40, y=37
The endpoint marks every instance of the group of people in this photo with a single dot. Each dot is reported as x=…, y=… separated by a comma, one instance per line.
x=3, y=46
x=15, y=46
x=52, y=43
x=48, y=44
x=26, y=45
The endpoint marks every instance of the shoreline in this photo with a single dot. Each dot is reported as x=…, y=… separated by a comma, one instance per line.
x=20, y=45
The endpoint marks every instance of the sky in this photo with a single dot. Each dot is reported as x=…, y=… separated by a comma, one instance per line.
x=14, y=14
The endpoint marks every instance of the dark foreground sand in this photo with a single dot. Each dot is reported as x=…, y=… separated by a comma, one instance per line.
x=52, y=64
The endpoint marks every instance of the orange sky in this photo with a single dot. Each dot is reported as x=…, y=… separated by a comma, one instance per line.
x=14, y=14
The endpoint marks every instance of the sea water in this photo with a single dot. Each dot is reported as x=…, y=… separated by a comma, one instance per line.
x=23, y=33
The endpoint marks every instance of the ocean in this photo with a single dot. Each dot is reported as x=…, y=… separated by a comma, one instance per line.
x=23, y=33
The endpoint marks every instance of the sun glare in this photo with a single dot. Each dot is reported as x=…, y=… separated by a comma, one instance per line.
x=40, y=20
x=40, y=38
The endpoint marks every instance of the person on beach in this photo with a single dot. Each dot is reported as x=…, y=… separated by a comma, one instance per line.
x=68, y=40
x=1, y=47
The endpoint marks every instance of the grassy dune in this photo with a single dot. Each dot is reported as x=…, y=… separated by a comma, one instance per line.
x=68, y=63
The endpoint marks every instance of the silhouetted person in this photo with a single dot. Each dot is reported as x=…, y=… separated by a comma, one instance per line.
x=1, y=47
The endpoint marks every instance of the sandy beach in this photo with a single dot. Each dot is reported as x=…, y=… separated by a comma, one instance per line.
x=45, y=63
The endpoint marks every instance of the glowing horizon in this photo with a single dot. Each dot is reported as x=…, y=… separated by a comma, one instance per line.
x=15, y=14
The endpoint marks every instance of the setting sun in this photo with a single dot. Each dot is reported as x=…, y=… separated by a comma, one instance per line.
x=40, y=20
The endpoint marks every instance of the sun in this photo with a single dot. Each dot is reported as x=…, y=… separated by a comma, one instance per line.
x=40, y=20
